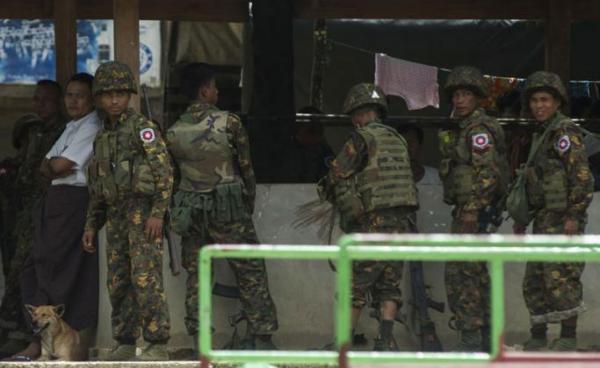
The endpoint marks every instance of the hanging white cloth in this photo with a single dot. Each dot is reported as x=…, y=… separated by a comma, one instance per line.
x=416, y=83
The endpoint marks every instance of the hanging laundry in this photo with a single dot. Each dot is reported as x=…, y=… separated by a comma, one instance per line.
x=499, y=86
x=416, y=83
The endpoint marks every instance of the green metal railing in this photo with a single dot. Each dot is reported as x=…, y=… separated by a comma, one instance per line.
x=494, y=249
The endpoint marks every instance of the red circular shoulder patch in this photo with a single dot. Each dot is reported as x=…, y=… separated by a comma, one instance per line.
x=147, y=135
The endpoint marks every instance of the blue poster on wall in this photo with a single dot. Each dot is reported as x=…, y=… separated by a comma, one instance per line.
x=27, y=49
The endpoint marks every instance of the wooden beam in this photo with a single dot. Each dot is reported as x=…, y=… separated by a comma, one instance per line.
x=24, y=9
x=421, y=9
x=127, y=39
x=237, y=10
x=65, y=39
x=192, y=10
x=558, y=39
x=195, y=10
x=585, y=10
x=95, y=9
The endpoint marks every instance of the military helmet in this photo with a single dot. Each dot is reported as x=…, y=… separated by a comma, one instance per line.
x=466, y=77
x=545, y=81
x=114, y=76
x=365, y=94
x=21, y=127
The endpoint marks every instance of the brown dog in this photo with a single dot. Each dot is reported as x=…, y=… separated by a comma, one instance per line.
x=58, y=339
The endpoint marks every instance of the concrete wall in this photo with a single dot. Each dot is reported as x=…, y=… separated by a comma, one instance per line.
x=303, y=290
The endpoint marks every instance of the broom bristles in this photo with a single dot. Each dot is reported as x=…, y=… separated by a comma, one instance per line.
x=316, y=212
x=311, y=213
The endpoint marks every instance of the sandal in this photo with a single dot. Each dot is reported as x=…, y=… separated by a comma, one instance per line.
x=18, y=358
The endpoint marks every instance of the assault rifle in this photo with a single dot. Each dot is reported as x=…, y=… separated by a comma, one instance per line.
x=422, y=302
x=421, y=324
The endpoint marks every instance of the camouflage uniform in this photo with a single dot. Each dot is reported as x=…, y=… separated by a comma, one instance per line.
x=9, y=207
x=10, y=195
x=214, y=204
x=559, y=187
x=371, y=184
x=474, y=172
x=130, y=180
x=31, y=186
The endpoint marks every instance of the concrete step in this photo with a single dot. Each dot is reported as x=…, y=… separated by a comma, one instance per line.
x=169, y=364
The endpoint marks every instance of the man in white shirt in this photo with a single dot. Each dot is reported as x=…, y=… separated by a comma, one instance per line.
x=58, y=270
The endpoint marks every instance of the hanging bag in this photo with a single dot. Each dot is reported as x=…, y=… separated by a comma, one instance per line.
x=517, y=204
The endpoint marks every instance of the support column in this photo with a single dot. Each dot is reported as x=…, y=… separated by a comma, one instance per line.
x=126, y=14
x=319, y=63
x=558, y=39
x=273, y=86
x=65, y=39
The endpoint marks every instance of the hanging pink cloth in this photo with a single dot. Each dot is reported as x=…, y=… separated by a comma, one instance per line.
x=416, y=83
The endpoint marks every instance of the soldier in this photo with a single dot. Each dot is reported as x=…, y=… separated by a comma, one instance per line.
x=215, y=200
x=46, y=125
x=559, y=190
x=130, y=182
x=474, y=172
x=9, y=193
x=371, y=184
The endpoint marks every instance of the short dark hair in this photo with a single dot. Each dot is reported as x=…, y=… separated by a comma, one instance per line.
x=52, y=84
x=405, y=128
x=84, y=78
x=194, y=76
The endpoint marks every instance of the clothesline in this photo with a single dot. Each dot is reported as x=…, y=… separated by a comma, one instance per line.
x=520, y=79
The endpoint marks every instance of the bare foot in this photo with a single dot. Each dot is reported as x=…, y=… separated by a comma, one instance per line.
x=33, y=350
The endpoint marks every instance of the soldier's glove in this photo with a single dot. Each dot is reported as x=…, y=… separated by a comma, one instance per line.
x=322, y=190
x=571, y=227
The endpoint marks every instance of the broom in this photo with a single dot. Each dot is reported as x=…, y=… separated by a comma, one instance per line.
x=316, y=212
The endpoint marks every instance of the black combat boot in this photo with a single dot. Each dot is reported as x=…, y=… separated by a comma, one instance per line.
x=258, y=342
x=429, y=338
x=385, y=340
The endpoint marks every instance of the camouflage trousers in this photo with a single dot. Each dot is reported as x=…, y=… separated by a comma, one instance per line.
x=553, y=291
x=250, y=274
x=134, y=277
x=467, y=288
x=11, y=309
x=381, y=279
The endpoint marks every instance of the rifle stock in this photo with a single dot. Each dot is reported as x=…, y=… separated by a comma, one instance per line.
x=174, y=256
x=174, y=261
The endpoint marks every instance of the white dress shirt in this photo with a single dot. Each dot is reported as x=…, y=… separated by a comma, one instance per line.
x=76, y=144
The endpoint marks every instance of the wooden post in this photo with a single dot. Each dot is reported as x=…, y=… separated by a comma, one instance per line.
x=126, y=14
x=558, y=39
x=273, y=86
x=65, y=39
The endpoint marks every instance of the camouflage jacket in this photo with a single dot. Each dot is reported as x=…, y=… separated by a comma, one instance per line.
x=237, y=140
x=478, y=145
x=563, y=151
x=352, y=158
x=30, y=182
x=146, y=141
